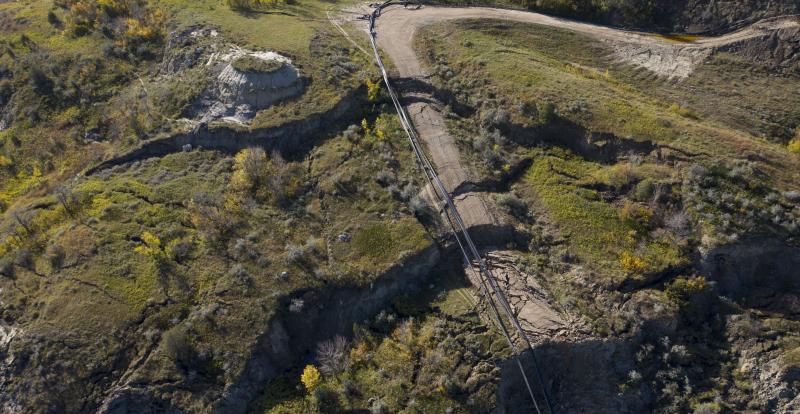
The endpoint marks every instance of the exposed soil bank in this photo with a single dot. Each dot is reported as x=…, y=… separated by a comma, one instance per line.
x=776, y=50
x=288, y=139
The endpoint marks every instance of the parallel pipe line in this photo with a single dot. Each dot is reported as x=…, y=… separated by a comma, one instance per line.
x=470, y=252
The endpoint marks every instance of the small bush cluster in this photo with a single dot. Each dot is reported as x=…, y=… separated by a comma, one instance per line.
x=735, y=199
x=637, y=216
x=134, y=27
x=402, y=365
x=256, y=176
x=489, y=145
x=334, y=57
x=43, y=82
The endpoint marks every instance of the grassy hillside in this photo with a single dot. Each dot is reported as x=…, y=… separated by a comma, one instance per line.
x=555, y=81
x=170, y=270
x=632, y=179
x=83, y=81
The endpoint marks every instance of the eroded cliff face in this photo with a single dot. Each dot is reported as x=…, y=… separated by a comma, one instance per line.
x=777, y=51
x=693, y=16
x=719, y=15
x=759, y=273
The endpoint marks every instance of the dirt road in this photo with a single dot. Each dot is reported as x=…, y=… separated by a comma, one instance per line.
x=398, y=26
x=395, y=35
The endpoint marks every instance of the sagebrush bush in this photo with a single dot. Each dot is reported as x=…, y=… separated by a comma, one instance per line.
x=679, y=223
x=352, y=133
x=495, y=118
x=240, y=274
x=295, y=253
x=333, y=356
x=408, y=192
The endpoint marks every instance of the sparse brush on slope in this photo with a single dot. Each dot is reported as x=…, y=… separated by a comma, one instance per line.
x=132, y=24
x=249, y=5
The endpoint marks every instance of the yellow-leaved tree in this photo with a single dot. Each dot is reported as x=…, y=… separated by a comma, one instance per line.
x=631, y=264
x=310, y=378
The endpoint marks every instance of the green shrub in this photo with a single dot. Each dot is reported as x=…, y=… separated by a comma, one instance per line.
x=644, y=190
x=6, y=268
x=6, y=90
x=637, y=216
x=176, y=346
x=55, y=255
x=547, y=112
x=53, y=19
x=327, y=400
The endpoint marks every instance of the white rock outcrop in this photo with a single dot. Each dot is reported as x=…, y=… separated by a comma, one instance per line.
x=259, y=90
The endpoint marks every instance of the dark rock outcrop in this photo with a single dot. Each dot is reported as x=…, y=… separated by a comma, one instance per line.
x=758, y=272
